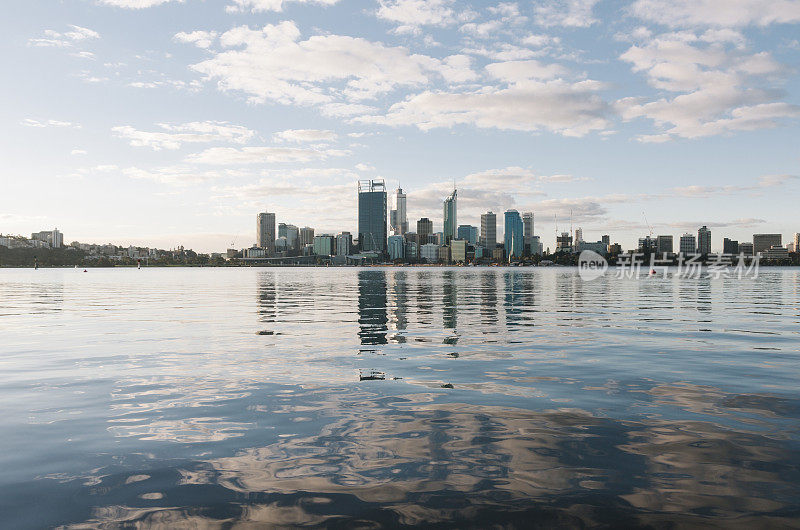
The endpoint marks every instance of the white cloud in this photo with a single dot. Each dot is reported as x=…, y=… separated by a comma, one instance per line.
x=409, y=15
x=305, y=135
x=172, y=175
x=727, y=13
x=260, y=155
x=30, y=122
x=273, y=64
x=566, y=13
x=516, y=71
x=570, y=109
x=55, y=39
x=76, y=152
x=177, y=135
x=721, y=87
x=262, y=6
x=201, y=39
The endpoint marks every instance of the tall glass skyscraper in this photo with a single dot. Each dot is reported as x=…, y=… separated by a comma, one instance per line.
x=450, y=222
x=265, y=232
x=372, y=211
x=514, y=236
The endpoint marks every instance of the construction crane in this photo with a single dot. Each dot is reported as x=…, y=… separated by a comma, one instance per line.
x=648, y=225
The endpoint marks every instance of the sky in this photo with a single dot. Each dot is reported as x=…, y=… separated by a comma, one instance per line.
x=174, y=122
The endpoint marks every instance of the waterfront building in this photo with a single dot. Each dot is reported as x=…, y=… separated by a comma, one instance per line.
x=397, y=247
x=291, y=233
x=606, y=239
x=281, y=245
x=514, y=239
x=489, y=231
x=527, y=233
x=797, y=242
x=254, y=252
x=730, y=246
x=597, y=246
x=53, y=238
x=306, y=236
x=344, y=244
x=458, y=250
x=535, y=246
x=564, y=242
x=324, y=245
x=646, y=244
x=444, y=254
x=398, y=218
x=450, y=217
x=776, y=253
x=438, y=238
x=412, y=250
x=497, y=253
x=265, y=232
x=424, y=231
x=664, y=245
x=429, y=252
x=372, y=230
x=615, y=249
x=688, y=244
x=704, y=241
x=468, y=233
x=746, y=249
x=763, y=242
x=578, y=235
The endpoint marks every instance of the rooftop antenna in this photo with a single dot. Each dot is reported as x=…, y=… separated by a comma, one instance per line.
x=648, y=225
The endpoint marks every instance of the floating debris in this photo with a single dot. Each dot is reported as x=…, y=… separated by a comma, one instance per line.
x=265, y=332
x=447, y=385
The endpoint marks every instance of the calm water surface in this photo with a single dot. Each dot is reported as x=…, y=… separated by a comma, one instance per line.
x=382, y=397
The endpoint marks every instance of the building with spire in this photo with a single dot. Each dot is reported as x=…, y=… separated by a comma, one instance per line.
x=514, y=235
x=450, y=218
x=372, y=230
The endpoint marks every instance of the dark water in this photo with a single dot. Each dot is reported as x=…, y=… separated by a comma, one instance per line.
x=384, y=397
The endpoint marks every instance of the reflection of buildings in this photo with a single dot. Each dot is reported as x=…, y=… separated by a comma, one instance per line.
x=372, y=317
x=267, y=297
x=449, y=300
x=372, y=232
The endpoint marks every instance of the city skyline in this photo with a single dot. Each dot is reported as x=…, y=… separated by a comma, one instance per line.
x=158, y=122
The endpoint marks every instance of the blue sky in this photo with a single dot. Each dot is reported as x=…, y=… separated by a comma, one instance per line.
x=166, y=122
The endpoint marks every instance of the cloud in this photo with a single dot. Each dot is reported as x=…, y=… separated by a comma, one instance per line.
x=409, y=15
x=30, y=122
x=305, y=135
x=274, y=64
x=176, y=135
x=201, y=39
x=262, y=6
x=566, y=13
x=725, y=13
x=570, y=109
x=55, y=39
x=172, y=175
x=76, y=152
x=516, y=71
x=260, y=155
x=721, y=87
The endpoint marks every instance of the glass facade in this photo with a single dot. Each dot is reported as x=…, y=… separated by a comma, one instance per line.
x=514, y=237
x=372, y=230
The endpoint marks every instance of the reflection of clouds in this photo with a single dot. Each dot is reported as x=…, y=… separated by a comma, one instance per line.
x=191, y=430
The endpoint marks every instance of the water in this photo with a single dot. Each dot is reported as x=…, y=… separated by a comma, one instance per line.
x=381, y=397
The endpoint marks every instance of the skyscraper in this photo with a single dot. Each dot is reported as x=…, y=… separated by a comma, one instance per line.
x=306, y=236
x=399, y=218
x=578, y=235
x=468, y=233
x=372, y=230
x=514, y=235
x=704, y=240
x=489, y=231
x=664, y=244
x=424, y=231
x=527, y=230
x=265, y=232
x=688, y=244
x=730, y=246
x=797, y=242
x=450, y=218
x=763, y=242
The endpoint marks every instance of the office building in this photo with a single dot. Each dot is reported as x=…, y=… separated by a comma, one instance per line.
x=468, y=233
x=763, y=242
x=324, y=245
x=372, y=211
x=265, y=232
x=292, y=235
x=396, y=245
x=746, y=249
x=730, y=246
x=489, y=231
x=450, y=218
x=797, y=242
x=704, y=241
x=606, y=239
x=444, y=254
x=646, y=244
x=424, y=231
x=412, y=250
x=664, y=245
x=578, y=235
x=429, y=252
x=398, y=218
x=535, y=246
x=776, y=253
x=514, y=238
x=344, y=244
x=597, y=246
x=688, y=244
x=458, y=250
x=306, y=236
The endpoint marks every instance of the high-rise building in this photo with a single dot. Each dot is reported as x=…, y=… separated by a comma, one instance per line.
x=372, y=230
x=578, y=235
x=646, y=244
x=324, y=245
x=746, y=249
x=306, y=236
x=397, y=247
x=527, y=232
x=730, y=246
x=265, y=232
x=458, y=250
x=429, y=252
x=292, y=235
x=450, y=218
x=468, y=233
x=704, y=240
x=564, y=242
x=797, y=242
x=398, y=219
x=664, y=245
x=489, y=231
x=606, y=239
x=763, y=242
x=688, y=244
x=514, y=239
x=344, y=244
x=424, y=231
x=53, y=237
